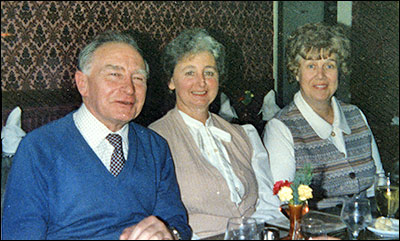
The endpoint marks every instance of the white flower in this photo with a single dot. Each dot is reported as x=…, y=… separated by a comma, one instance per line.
x=305, y=192
x=285, y=194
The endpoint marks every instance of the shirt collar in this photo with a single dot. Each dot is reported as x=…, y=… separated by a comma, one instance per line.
x=196, y=125
x=319, y=125
x=193, y=122
x=340, y=122
x=93, y=130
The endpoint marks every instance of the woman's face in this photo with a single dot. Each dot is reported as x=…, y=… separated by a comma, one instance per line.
x=195, y=81
x=318, y=79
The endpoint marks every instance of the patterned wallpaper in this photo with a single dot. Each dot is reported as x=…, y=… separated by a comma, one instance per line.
x=41, y=41
x=375, y=77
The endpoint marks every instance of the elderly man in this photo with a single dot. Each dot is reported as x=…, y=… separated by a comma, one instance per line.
x=94, y=174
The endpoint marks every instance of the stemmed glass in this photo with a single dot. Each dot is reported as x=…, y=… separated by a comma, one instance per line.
x=356, y=214
x=312, y=227
x=386, y=195
x=242, y=228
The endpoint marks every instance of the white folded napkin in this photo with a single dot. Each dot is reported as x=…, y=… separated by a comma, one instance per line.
x=11, y=133
x=395, y=121
x=227, y=111
x=269, y=107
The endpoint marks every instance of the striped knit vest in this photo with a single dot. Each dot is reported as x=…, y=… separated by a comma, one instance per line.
x=334, y=174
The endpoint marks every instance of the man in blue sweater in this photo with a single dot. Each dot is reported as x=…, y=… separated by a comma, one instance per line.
x=94, y=174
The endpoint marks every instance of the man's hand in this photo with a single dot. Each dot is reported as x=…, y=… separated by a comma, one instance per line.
x=150, y=228
x=324, y=238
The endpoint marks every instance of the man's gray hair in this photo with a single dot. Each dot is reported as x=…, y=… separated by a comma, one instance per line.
x=85, y=56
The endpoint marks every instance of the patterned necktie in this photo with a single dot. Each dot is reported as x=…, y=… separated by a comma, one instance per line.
x=117, y=158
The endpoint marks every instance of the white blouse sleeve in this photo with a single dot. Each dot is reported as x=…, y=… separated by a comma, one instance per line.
x=374, y=149
x=279, y=143
x=267, y=206
x=375, y=156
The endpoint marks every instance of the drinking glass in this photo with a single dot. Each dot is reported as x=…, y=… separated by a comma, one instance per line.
x=386, y=195
x=356, y=214
x=242, y=228
x=312, y=227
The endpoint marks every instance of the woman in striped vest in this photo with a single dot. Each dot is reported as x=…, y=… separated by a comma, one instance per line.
x=318, y=128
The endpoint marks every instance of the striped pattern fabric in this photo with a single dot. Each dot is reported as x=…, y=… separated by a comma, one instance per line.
x=334, y=173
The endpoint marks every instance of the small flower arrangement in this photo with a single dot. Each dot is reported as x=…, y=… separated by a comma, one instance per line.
x=298, y=191
x=248, y=96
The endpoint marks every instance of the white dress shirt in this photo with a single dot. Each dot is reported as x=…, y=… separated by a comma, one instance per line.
x=279, y=141
x=209, y=139
x=94, y=132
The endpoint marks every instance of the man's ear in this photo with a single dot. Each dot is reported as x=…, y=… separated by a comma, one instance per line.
x=81, y=81
x=171, y=84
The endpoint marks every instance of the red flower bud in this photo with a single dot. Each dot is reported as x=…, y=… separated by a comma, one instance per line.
x=279, y=184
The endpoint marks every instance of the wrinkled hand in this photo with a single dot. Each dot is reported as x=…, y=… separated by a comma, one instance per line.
x=150, y=228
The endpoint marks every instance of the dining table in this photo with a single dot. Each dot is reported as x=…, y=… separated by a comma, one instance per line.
x=333, y=216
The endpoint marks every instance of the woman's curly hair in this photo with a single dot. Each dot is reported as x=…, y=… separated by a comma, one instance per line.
x=317, y=41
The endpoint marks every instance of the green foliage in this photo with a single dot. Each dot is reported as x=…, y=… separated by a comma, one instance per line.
x=302, y=176
x=248, y=97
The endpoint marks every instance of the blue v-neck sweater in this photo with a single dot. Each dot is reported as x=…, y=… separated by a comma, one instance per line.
x=59, y=189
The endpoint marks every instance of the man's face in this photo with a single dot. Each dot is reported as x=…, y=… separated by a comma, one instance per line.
x=114, y=89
